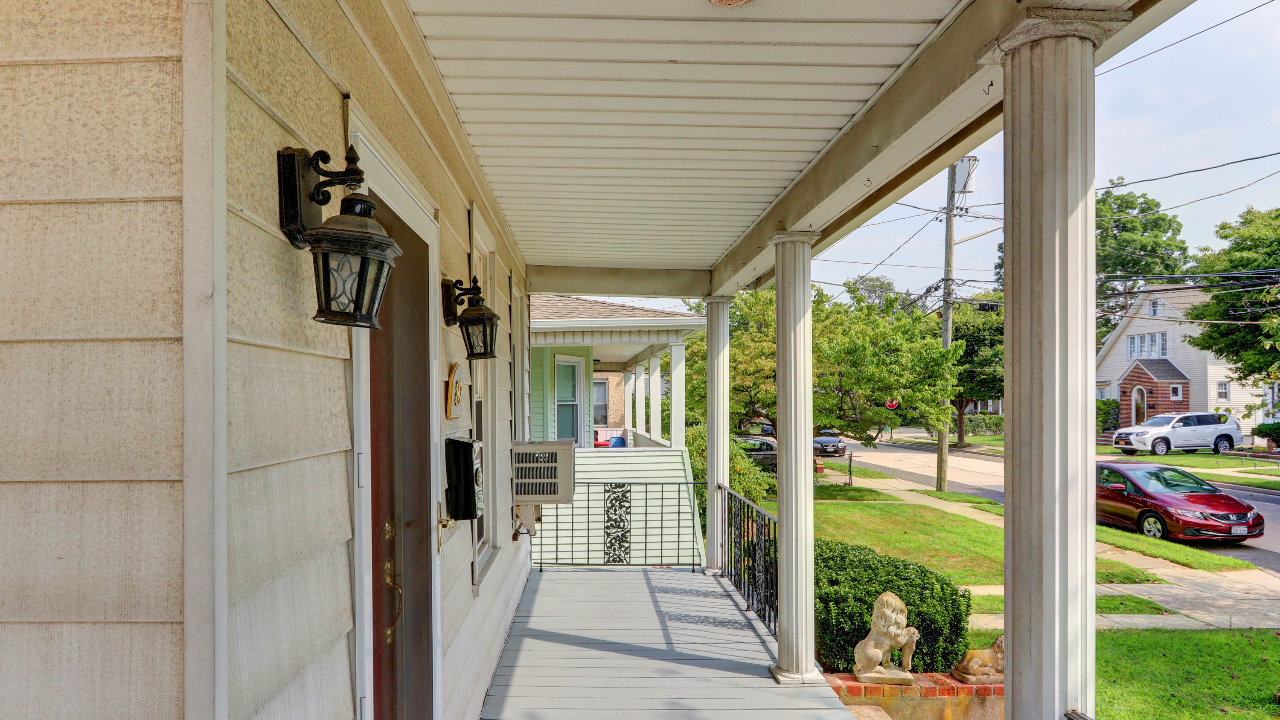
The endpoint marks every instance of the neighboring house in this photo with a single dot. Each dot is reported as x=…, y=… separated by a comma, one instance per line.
x=1147, y=364
x=587, y=359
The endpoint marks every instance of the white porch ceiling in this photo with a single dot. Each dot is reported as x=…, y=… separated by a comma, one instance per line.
x=653, y=134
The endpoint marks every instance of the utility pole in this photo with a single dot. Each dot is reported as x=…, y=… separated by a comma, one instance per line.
x=966, y=165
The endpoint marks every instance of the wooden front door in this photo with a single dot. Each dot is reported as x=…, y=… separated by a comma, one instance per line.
x=401, y=484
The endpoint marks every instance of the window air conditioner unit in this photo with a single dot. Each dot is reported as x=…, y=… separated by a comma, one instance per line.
x=543, y=473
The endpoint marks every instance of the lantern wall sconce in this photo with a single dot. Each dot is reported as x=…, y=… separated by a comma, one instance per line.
x=352, y=253
x=478, y=323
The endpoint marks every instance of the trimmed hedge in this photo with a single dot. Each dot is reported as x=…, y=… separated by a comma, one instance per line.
x=848, y=579
x=1268, y=431
x=984, y=424
x=1108, y=417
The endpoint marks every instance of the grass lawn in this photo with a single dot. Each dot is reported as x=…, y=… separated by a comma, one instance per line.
x=965, y=550
x=1203, y=460
x=845, y=492
x=993, y=509
x=990, y=441
x=957, y=497
x=1265, y=471
x=1171, y=551
x=1187, y=674
x=982, y=639
x=858, y=472
x=1238, y=480
x=1107, y=605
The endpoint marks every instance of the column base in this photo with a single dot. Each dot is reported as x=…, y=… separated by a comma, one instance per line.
x=710, y=572
x=813, y=677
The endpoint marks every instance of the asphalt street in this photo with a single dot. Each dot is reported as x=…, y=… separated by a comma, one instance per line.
x=984, y=476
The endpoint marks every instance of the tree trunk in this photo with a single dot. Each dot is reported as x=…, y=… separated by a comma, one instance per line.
x=959, y=404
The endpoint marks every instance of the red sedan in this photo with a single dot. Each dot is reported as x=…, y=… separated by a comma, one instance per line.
x=1167, y=502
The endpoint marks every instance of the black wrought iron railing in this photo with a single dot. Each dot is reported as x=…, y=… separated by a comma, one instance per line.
x=622, y=524
x=751, y=555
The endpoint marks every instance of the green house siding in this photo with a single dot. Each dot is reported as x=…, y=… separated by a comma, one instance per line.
x=542, y=406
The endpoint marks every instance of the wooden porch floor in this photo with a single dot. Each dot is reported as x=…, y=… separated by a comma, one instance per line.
x=641, y=644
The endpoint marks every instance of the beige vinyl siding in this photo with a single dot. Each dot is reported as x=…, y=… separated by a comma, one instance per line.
x=91, y=361
x=288, y=62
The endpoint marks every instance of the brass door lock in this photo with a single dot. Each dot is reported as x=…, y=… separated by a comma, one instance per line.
x=444, y=524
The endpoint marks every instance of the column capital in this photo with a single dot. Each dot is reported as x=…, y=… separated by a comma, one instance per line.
x=1040, y=23
x=805, y=236
x=718, y=299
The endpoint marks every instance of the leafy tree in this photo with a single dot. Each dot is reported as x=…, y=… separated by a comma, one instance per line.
x=1134, y=238
x=981, y=364
x=877, y=290
x=1251, y=351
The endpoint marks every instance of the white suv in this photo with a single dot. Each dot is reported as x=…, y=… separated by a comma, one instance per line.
x=1187, y=432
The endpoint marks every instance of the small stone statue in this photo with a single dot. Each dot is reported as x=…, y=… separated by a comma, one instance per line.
x=982, y=667
x=889, y=631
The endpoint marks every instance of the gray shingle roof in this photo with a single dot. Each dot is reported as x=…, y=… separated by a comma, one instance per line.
x=1162, y=370
x=563, y=307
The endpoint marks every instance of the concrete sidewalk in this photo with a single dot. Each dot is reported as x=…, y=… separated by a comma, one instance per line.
x=1204, y=600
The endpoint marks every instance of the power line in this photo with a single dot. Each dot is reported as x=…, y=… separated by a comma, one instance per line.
x=1192, y=202
x=1189, y=172
x=885, y=264
x=1181, y=40
x=1186, y=322
x=895, y=250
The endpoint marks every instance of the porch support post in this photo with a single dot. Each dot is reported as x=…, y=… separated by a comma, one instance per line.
x=717, y=425
x=655, y=397
x=794, y=252
x=640, y=395
x=1048, y=61
x=677, y=395
x=628, y=391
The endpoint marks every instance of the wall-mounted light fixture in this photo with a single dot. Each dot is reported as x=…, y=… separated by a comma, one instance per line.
x=352, y=253
x=478, y=323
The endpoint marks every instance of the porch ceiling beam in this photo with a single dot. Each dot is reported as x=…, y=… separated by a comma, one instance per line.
x=643, y=356
x=944, y=105
x=617, y=282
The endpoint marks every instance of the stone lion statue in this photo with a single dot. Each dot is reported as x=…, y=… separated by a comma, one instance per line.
x=889, y=632
x=982, y=667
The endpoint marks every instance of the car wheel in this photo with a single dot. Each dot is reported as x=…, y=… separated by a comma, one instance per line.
x=1190, y=451
x=1128, y=451
x=1152, y=525
x=1160, y=447
x=1222, y=444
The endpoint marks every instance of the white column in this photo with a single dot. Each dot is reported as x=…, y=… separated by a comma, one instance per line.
x=795, y=461
x=1048, y=60
x=640, y=395
x=655, y=397
x=628, y=392
x=677, y=395
x=717, y=425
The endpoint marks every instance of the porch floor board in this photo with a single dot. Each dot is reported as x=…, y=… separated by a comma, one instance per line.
x=642, y=644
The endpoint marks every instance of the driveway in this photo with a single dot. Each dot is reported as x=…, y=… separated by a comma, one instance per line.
x=984, y=476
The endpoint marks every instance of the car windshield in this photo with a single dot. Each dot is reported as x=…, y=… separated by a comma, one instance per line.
x=1168, y=480
x=1158, y=421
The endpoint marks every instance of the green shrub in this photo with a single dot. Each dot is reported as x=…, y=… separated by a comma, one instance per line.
x=1268, y=431
x=848, y=579
x=984, y=424
x=745, y=477
x=1108, y=417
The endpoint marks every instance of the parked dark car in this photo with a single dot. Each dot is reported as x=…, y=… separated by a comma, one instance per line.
x=1168, y=502
x=828, y=442
x=762, y=450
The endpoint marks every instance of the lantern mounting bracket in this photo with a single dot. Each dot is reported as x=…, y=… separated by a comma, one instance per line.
x=304, y=188
x=454, y=294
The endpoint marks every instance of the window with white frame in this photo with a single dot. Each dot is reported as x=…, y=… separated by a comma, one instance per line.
x=1133, y=346
x=1102, y=392
x=1175, y=392
x=1142, y=346
x=1154, y=308
x=1224, y=391
x=1149, y=345
x=1164, y=344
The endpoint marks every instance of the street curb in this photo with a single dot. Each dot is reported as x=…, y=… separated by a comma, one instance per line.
x=1249, y=488
x=934, y=449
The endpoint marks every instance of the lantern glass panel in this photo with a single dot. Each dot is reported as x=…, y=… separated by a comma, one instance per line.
x=344, y=281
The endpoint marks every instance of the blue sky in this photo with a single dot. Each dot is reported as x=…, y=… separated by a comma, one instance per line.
x=1205, y=101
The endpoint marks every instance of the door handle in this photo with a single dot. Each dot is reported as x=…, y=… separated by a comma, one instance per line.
x=389, y=577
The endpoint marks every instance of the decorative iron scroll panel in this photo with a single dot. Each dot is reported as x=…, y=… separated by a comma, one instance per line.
x=640, y=524
x=751, y=555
